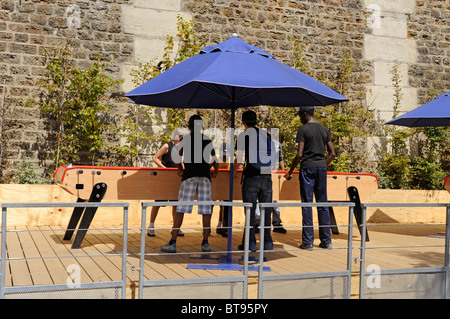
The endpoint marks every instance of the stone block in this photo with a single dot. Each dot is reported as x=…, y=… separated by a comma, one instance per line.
x=390, y=49
x=382, y=99
x=383, y=76
x=149, y=22
x=169, y=5
x=392, y=25
x=400, y=6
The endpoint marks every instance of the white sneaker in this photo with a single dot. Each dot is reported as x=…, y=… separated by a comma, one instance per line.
x=151, y=232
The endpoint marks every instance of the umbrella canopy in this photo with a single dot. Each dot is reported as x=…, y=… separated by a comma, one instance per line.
x=233, y=74
x=434, y=113
x=230, y=75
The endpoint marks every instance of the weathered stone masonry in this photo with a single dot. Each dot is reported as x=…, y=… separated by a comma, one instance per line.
x=379, y=33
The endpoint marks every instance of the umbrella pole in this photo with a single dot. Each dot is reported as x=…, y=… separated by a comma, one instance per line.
x=230, y=210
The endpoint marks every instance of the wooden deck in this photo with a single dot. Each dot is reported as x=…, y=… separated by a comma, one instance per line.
x=100, y=260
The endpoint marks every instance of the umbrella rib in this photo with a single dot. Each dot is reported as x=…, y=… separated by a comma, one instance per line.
x=193, y=95
x=257, y=97
x=217, y=91
x=311, y=96
x=251, y=92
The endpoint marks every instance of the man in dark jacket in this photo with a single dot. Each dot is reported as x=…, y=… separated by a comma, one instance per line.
x=257, y=178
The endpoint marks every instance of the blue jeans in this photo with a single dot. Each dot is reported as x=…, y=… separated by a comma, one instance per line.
x=258, y=188
x=313, y=182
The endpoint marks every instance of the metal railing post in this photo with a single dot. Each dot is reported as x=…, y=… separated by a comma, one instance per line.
x=363, y=252
x=124, y=251
x=246, y=254
x=447, y=250
x=350, y=250
x=262, y=223
x=142, y=252
x=3, y=255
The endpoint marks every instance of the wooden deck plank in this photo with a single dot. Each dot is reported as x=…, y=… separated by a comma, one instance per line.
x=38, y=270
x=97, y=264
x=190, y=244
x=417, y=249
x=133, y=250
x=20, y=275
x=170, y=260
x=133, y=259
x=95, y=273
x=111, y=265
x=55, y=267
x=103, y=242
x=62, y=250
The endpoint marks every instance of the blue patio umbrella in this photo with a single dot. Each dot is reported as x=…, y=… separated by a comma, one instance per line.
x=434, y=113
x=230, y=75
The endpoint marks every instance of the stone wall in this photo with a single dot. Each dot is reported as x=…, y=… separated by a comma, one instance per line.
x=325, y=28
x=378, y=33
x=26, y=28
x=429, y=26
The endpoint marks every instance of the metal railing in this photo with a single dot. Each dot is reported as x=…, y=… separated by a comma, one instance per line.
x=184, y=285
x=425, y=282
x=344, y=285
x=113, y=289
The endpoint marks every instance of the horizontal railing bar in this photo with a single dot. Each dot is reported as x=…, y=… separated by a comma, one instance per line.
x=62, y=287
x=196, y=203
x=341, y=273
x=405, y=204
x=322, y=204
x=169, y=282
x=407, y=271
x=78, y=204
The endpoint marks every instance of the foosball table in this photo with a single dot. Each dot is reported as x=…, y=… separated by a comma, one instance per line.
x=97, y=183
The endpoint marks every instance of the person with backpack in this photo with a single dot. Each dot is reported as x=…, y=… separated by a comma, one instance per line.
x=255, y=149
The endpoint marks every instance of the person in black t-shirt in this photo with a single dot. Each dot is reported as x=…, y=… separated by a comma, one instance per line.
x=163, y=158
x=199, y=156
x=313, y=140
x=257, y=180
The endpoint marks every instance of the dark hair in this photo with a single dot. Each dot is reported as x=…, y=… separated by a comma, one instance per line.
x=249, y=118
x=192, y=121
x=306, y=109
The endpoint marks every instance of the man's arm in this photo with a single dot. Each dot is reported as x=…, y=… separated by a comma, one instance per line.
x=215, y=163
x=296, y=161
x=177, y=155
x=331, y=153
x=237, y=161
x=157, y=158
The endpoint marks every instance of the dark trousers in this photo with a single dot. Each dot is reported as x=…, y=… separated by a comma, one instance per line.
x=258, y=188
x=313, y=182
